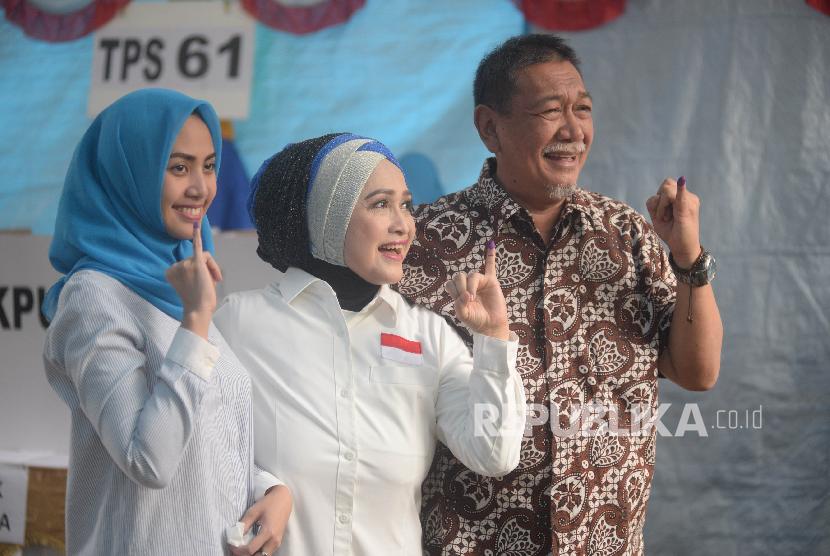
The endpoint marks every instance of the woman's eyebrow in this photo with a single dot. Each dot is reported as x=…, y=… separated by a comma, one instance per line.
x=385, y=192
x=378, y=192
x=190, y=157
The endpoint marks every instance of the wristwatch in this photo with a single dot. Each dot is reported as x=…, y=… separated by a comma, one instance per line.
x=700, y=273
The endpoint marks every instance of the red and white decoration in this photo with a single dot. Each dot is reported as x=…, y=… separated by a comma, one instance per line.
x=302, y=16
x=399, y=349
x=61, y=20
x=570, y=15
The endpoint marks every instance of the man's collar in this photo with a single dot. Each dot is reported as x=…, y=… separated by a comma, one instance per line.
x=295, y=281
x=502, y=207
x=489, y=193
x=582, y=203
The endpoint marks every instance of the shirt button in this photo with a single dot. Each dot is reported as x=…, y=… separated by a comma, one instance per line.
x=344, y=393
x=344, y=518
x=349, y=456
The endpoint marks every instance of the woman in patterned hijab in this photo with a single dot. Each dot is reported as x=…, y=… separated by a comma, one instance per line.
x=353, y=385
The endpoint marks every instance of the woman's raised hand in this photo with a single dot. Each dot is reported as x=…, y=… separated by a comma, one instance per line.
x=479, y=302
x=194, y=279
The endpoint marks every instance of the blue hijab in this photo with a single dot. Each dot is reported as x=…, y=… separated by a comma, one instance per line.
x=109, y=217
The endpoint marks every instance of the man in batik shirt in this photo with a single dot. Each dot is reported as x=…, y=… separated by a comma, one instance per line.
x=600, y=310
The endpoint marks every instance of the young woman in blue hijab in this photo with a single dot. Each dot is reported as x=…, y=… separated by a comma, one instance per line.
x=161, y=450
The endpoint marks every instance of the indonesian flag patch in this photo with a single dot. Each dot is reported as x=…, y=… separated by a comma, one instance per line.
x=398, y=348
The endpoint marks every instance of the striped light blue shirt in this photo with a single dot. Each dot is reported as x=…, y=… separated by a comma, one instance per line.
x=161, y=452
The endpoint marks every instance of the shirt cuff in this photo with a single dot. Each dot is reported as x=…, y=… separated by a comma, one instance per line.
x=494, y=354
x=263, y=480
x=194, y=353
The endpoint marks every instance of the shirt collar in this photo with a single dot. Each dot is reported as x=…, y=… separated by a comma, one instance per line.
x=489, y=193
x=582, y=204
x=295, y=281
x=391, y=300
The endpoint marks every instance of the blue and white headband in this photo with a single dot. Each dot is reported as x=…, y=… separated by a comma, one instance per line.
x=339, y=172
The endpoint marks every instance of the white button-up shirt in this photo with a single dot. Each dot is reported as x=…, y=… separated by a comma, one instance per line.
x=349, y=421
x=161, y=456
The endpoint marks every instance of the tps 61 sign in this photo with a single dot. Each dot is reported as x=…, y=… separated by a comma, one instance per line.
x=203, y=49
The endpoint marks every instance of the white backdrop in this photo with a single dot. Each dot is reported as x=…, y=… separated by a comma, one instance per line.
x=735, y=95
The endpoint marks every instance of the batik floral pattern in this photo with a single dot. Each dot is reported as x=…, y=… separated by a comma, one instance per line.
x=592, y=312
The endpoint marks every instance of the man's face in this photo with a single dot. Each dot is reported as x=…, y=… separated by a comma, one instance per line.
x=543, y=141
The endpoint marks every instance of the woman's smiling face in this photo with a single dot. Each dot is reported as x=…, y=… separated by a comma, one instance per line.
x=381, y=228
x=189, y=180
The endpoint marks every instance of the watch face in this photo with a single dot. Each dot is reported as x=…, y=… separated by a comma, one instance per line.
x=711, y=269
x=706, y=272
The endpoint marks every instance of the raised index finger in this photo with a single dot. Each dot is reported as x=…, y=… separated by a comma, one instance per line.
x=197, y=240
x=490, y=259
x=681, y=190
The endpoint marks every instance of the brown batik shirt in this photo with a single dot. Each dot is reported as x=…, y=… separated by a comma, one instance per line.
x=592, y=312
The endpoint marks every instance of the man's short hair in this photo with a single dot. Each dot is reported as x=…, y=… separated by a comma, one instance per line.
x=496, y=75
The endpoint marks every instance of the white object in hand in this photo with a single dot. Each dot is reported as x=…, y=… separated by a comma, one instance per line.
x=237, y=536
